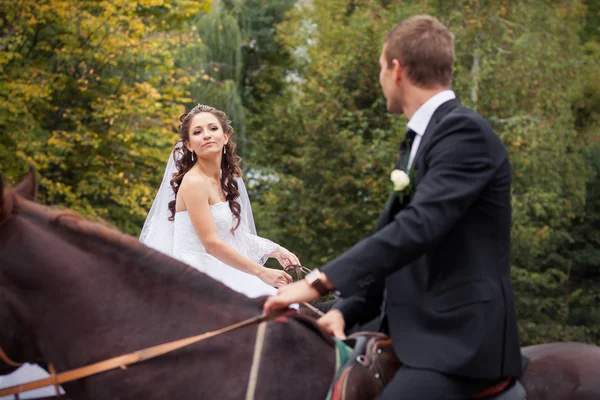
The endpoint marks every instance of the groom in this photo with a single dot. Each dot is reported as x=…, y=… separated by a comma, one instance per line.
x=435, y=276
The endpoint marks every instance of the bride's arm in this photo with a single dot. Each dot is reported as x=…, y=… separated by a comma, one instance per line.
x=195, y=197
x=259, y=249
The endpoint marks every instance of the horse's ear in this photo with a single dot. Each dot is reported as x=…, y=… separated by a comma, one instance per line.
x=1, y=193
x=28, y=187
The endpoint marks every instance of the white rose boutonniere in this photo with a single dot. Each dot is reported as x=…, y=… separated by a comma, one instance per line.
x=400, y=180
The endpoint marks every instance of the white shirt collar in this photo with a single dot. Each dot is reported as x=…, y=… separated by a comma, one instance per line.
x=422, y=116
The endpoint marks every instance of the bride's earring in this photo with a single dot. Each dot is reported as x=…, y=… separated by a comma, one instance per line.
x=224, y=150
x=193, y=156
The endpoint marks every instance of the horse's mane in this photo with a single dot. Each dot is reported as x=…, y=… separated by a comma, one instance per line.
x=141, y=256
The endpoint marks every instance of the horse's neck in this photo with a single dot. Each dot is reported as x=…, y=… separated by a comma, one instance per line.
x=88, y=306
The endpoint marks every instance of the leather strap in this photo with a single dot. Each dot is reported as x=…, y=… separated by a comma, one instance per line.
x=260, y=339
x=7, y=360
x=53, y=376
x=314, y=309
x=320, y=287
x=134, y=357
x=314, y=280
x=494, y=389
x=300, y=270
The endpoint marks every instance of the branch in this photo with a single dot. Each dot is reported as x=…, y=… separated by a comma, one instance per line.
x=502, y=51
x=507, y=22
x=34, y=41
x=476, y=74
x=518, y=118
x=566, y=299
x=122, y=78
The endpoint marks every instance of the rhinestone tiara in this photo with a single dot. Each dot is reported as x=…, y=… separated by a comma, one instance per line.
x=201, y=108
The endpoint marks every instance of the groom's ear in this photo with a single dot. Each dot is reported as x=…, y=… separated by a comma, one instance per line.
x=398, y=70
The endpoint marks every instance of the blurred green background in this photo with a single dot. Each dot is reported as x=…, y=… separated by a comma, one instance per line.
x=91, y=93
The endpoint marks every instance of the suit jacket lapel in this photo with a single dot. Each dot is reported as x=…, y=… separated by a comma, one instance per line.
x=437, y=116
x=390, y=209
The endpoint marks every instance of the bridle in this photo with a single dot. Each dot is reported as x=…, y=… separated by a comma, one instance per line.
x=138, y=356
x=299, y=270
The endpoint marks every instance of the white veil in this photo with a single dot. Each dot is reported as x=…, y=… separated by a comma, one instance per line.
x=157, y=232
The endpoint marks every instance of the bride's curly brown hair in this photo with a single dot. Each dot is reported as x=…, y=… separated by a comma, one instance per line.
x=230, y=164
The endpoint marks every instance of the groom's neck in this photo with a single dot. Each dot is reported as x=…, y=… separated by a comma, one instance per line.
x=416, y=96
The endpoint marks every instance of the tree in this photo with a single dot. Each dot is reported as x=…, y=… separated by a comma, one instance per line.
x=239, y=59
x=217, y=56
x=90, y=96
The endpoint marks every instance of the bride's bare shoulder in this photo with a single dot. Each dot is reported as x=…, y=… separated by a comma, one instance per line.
x=193, y=180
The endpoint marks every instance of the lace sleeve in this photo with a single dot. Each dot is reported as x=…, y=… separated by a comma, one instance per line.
x=258, y=248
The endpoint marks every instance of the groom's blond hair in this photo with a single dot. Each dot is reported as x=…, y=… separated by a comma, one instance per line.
x=425, y=47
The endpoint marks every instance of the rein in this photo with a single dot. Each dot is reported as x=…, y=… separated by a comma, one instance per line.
x=7, y=360
x=139, y=356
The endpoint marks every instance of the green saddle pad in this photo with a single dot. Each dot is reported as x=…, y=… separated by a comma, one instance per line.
x=342, y=354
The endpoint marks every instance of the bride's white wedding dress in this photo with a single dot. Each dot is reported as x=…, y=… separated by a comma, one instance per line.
x=188, y=248
x=179, y=239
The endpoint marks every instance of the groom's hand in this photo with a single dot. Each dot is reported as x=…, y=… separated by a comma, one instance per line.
x=297, y=292
x=333, y=323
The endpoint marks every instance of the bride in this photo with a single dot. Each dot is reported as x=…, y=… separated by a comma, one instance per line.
x=202, y=216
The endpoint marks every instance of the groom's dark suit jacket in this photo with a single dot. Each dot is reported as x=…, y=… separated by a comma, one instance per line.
x=442, y=257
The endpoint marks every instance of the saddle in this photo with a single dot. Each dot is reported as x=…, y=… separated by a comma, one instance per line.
x=370, y=367
x=373, y=364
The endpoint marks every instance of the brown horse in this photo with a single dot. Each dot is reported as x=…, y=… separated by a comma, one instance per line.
x=73, y=292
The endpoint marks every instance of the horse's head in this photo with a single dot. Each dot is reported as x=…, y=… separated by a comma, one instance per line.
x=15, y=335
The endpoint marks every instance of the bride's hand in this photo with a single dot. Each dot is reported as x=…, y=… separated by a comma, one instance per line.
x=285, y=257
x=274, y=277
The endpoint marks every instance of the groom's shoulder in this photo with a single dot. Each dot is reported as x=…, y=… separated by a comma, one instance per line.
x=469, y=115
x=461, y=116
x=466, y=121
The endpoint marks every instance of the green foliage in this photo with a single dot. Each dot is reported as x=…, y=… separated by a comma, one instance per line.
x=89, y=97
x=591, y=29
x=584, y=253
